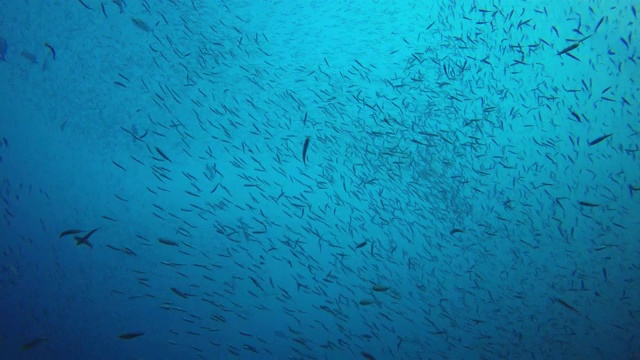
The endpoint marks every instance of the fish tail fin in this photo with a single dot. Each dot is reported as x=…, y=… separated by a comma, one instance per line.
x=80, y=241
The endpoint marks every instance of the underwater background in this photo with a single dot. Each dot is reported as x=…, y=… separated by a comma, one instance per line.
x=319, y=179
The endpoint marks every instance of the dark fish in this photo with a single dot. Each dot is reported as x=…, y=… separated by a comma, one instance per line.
x=256, y=283
x=53, y=51
x=129, y=336
x=367, y=302
x=120, y=4
x=599, y=23
x=162, y=154
x=168, y=242
x=84, y=240
x=573, y=57
x=69, y=232
x=141, y=24
x=33, y=343
x=584, y=38
x=3, y=49
x=180, y=293
x=624, y=42
x=599, y=140
x=108, y=218
x=119, y=166
x=576, y=116
x=379, y=288
x=85, y=5
x=455, y=230
x=367, y=355
x=588, y=204
x=361, y=245
x=305, y=147
x=569, y=48
x=565, y=304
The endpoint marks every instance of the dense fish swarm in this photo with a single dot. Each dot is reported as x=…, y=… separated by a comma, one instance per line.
x=320, y=180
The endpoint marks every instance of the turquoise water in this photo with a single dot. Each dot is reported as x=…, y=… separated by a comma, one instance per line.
x=319, y=180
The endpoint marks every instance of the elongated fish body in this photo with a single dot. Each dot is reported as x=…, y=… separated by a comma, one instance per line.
x=129, y=336
x=33, y=343
x=361, y=245
x=180, y=293
x=379, y=288
x=599, y=139
x=3, y=49
x=69, y=232
x=569, y=48
x=305, y=147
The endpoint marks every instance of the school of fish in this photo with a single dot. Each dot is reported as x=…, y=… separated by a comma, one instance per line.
x=475, y=197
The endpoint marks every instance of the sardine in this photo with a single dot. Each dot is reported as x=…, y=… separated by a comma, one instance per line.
x=361, y=245
x=180, y=293
x=129, y=336
x=168, y=242
x=305, y=147
x=164, y=156
x=565, y=304
x=588, y=204
x=599, y=139
x=4, y=47
x=33, y=343
x=69, y=232
x=141, y=24
x=379, y=288
x=569, y=48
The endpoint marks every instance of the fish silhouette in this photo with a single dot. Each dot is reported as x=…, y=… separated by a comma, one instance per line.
x=3, y=49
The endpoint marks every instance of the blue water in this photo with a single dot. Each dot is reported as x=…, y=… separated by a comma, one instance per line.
x=455, y=199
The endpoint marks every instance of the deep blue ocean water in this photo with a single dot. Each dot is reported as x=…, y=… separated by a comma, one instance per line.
x=193, y=179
